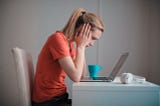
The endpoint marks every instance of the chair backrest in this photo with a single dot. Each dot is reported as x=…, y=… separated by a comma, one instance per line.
x=25, y=74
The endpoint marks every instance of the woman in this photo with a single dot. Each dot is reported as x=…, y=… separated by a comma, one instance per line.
x=58, y=58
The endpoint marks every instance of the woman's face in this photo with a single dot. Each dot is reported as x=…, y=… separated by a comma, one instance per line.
x=96, y=34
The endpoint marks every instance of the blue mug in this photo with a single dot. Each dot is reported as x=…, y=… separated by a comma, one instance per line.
x=94, y=69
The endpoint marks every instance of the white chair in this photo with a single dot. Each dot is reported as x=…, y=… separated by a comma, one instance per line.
x=25, y=74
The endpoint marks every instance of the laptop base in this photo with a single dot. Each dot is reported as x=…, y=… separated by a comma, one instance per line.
x=96, y=79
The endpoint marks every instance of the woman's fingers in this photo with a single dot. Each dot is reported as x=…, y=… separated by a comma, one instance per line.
x=82, y=32
x=88, y=31
x=83, y=37
x=85, y=30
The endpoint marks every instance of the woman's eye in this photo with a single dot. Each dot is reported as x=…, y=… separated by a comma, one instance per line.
x=93, y=38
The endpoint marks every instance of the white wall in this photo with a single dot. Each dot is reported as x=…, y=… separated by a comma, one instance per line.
x=130, y=25
x=127, y=29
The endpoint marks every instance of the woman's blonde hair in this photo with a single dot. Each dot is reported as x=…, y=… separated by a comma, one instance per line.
x=79, y=17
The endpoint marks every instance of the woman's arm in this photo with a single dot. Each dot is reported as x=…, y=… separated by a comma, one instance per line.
x=74, y=69
x=84, y=69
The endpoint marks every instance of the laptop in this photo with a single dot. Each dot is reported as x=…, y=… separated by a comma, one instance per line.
x=112, y=75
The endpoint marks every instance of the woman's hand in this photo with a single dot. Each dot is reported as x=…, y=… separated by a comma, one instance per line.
x=84, y=36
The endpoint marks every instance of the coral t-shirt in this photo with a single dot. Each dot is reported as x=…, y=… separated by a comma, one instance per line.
x=50, y=77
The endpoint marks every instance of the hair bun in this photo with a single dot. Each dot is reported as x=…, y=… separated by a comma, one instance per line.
x=83, y=12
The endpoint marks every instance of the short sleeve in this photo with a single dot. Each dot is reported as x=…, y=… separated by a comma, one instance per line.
x=59, y=46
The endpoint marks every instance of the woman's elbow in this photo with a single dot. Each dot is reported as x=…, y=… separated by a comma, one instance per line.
x=74, y=76
x=76, y=79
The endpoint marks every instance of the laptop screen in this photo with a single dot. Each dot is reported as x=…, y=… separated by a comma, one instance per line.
x=118, y=65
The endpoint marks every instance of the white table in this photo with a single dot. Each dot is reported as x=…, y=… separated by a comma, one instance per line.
x=115, y=94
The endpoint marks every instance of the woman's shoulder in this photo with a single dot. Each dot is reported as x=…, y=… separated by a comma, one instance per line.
x=58, y=35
